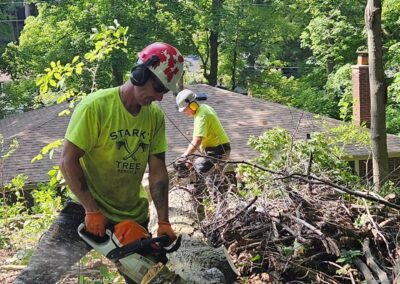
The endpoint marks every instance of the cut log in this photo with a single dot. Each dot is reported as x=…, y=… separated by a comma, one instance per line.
x=195, y=261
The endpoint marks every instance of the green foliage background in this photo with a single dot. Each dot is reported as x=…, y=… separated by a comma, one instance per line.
x=256, y=41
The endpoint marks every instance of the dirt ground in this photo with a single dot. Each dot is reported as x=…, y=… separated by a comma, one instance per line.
x=7, y=276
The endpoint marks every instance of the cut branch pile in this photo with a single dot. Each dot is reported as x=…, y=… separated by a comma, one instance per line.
x=300, y=233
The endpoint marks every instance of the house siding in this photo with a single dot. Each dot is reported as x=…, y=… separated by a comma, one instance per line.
x=365, y=170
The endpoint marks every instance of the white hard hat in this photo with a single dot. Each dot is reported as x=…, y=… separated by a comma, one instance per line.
x=184, y=98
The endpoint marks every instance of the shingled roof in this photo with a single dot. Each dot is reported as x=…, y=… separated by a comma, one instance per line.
x=241, y=116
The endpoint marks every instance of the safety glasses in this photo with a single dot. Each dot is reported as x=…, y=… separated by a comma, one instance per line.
x=158, y=86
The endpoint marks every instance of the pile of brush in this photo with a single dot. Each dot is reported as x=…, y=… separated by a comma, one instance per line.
x=306, y=231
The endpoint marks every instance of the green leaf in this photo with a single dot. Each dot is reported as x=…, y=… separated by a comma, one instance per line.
x=286, y=251
x=64, y=112
x=89, y=56
x=61, y=99
x=39, y=81
x=44, y=88
x=75, y=59
x=53, y=181
x=52, y=172
x=255, y=258
x=37, y=158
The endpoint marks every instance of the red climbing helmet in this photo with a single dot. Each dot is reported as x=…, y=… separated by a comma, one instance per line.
x=169, y=66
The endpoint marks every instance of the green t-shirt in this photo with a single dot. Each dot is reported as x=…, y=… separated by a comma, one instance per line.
x=208, y=126
x=117, y=146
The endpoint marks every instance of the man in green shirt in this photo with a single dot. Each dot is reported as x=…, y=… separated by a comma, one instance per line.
x=209, y=136
x=113, y=135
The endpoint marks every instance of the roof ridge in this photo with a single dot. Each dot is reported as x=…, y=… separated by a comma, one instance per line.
x=21, y=122
x=290, y=108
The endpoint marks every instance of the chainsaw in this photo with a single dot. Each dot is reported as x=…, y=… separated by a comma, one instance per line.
x=183, y=167
x=135, y=259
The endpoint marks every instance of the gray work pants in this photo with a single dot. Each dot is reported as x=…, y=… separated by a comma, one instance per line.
x=58, y=249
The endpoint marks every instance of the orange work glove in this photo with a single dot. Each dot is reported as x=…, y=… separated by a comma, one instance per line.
x=164, y=228
x=129, y=231
x=95, y=223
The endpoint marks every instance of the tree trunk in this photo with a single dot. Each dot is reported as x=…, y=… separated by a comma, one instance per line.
x=195, y=261
x=212, y=80
x=214, y=34
x=14, y=25
x=330, y=65
x=117, y=74
x=27, y=9
x=373, y=13
x=234, y=65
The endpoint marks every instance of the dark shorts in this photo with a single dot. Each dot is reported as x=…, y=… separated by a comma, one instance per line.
x=205, y=164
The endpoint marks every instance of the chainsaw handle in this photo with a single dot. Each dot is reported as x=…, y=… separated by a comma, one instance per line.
x=95, y=238
x=106, y=243
x=142, y=245
x=175, y=246
x=163, y=240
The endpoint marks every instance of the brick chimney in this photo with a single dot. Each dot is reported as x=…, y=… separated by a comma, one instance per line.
x=361, y=92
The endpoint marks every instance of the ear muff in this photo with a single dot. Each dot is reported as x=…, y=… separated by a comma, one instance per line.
x=193, y=106
x=141, y=73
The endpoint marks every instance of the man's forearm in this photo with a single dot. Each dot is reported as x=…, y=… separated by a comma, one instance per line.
x=159, y=194
x=76, y=181
x=158, y=183
x=193, y=146
x=190, y=150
